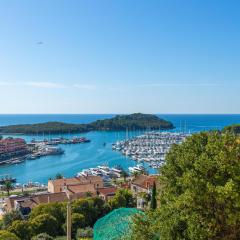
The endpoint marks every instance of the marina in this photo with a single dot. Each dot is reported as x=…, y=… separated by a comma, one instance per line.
x=61, y=140
x=102, y=170
x=150, y=147
x=77, y=157
x=38, y=148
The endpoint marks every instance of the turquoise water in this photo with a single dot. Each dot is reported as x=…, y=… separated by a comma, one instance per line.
x=80, y=156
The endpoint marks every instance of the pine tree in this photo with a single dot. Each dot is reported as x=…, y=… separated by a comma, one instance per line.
x=153, y=198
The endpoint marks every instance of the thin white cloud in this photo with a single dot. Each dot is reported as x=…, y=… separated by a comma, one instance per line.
x=85, y=86
x=180, y=85
x=33, y=84
x=7, y=84
x=51, y=85
x=48, y=85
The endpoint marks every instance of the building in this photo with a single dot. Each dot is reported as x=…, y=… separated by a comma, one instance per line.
x=143, y=184
x=140, y=186
x=106, y=193
x=12, y=147
x=80, y=191
x=76, y=184
x=26, y=203
x=61, y=190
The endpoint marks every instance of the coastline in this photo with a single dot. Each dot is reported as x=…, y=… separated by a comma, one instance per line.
x=86, y=156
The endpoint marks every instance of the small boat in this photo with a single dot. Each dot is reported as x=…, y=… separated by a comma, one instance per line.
x=137, y=168
x=84, y=173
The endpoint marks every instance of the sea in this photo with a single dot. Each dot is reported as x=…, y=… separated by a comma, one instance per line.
x=99, y=150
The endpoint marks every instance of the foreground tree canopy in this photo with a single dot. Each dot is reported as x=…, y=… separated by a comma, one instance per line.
x=5, y=235
x=232, y=129
x=200, y=194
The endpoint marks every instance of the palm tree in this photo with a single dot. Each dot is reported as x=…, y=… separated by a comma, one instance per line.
x=88, y=194
x=59, y=176
x=144, y=171
x=135, y=174
x=124, y=175
x=8, y=186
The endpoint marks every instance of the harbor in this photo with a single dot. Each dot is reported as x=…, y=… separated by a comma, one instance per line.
x=17, y=150
x=77, y=157
x=103, y=171
x=150, y=147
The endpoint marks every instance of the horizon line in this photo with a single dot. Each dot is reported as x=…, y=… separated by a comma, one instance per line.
x=119, y=113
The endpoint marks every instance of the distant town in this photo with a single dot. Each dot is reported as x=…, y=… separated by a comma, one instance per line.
x=16, y=150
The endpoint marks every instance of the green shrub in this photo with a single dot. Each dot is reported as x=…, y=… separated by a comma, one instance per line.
x=44, y=223
x=21, y=229
x=84, y=233
x=5, y=235
x=42, y=236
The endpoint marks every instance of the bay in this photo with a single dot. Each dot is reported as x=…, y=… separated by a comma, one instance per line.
x=81, y=156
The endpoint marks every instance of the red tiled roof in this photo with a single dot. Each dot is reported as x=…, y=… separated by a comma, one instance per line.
x=83, y=188
x=76, y=180
x=107, y=190
x=144, y=181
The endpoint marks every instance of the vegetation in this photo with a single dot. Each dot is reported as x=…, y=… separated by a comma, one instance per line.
x=232, y=129
x=84, y=233
x=44, y=223
x=21, y=229
x=153, y=197
x=5, y=235
x=58, y=176
x=43, y=236
x=9, y=218
x=124, y=175
x=7, y=187
x=123, y=198
x=200, y=194
x=50, y=219
x=135, y=121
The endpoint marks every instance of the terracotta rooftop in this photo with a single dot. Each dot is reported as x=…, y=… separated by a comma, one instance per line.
x=107, y=190
x=83, y=188
x=76, y=180
x=33, y=201
x=50, y=197
x=144, y=181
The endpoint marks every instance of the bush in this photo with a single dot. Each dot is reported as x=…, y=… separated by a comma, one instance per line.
x=56, y=210
x=42, y=236
x=91, y=208
x=78, y=221
x=60, y=238
x=21, y=229
x=9, y=218
x=44, y=223
x=123, y=198
x=84, y=233
x=5, y=235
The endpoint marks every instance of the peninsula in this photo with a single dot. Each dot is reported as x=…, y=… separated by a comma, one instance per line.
x=136, y=121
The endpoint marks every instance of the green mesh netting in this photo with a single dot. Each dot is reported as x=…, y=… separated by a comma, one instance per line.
x=114, y=225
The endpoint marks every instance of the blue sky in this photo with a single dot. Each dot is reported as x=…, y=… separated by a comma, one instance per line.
x=123, y=56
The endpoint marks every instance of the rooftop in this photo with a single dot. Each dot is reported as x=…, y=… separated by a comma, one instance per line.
x=144, y=181
x=75, y=180
x=107, y=190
